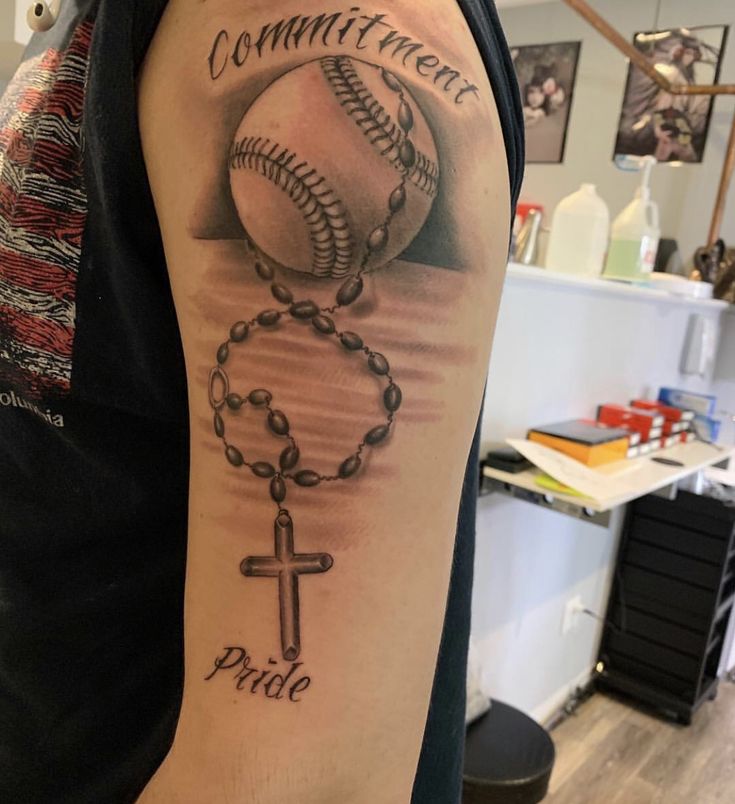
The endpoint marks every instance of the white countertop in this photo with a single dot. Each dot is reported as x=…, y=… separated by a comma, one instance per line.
x=649, y=477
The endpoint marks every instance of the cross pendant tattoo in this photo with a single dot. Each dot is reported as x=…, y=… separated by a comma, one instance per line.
x=287, y=566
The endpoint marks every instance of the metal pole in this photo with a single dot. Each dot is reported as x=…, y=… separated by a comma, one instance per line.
x=725, y=179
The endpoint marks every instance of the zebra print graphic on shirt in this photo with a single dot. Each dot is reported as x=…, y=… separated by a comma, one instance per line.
x=43, y=209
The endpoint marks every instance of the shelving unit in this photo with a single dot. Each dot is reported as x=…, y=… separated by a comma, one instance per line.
x=670, y=604
x=650, y=478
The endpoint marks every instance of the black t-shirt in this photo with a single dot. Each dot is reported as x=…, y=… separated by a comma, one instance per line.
x=94, y=430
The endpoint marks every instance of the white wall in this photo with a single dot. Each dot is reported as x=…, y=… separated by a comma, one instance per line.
x=21, y=29
x=10, y=47
x=685, y=194
x=558, y=353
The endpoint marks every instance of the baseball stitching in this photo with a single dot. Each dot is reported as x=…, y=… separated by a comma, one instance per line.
x=375, y=122
x=322, y=210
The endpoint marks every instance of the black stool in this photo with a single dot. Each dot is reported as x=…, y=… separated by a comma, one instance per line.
x=508, y=758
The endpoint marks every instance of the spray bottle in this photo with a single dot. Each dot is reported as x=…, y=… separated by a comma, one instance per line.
x=635, y=234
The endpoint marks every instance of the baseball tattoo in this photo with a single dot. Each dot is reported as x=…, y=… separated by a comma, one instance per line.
x=308, y=221
x=284, y=171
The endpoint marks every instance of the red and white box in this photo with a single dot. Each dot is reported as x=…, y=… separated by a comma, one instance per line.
x=674, y=428
x=648, y=423
x=634, y=436
x=669, y=412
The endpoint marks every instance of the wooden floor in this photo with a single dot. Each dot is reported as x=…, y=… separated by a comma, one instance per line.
x=611, y=753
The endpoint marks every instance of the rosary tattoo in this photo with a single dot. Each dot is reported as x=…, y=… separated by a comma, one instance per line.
x=334, y=254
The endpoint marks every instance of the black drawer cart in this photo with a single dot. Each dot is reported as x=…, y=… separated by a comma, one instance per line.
x=670, y=603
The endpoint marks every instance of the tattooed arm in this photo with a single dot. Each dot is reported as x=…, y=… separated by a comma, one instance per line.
x=333, y=194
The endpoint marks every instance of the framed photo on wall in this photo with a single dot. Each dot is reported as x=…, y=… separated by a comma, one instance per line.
x=673, y=128
x=546, y=76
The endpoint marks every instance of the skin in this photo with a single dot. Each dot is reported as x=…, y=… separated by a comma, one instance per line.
x=535, y=97
x=371, y=625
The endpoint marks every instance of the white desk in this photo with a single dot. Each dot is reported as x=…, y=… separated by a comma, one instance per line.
x=650, y=477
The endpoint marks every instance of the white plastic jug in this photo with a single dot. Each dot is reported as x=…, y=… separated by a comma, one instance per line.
x=635, y=234
x=579, y=233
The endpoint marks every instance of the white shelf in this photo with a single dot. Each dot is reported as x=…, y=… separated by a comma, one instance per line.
x=520, y=274
x=652, y=476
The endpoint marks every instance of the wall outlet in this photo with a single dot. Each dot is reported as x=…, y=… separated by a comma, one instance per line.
x=572, y=610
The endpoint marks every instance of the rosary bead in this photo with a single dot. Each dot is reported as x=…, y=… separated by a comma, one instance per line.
x=377, y=434
x=289, y=458
x=217, y=375
x=219, y=426
x=304, y=310
x=234, y=456
x=281, y=293
x=378, y=364
x=239, y=331
x=350, y=466
x=307, y=478
x=235, y=401
x=264, y=271
x=278, y=489
x=278, y=423
x=407, y=154
x=405, y=116
x=397, y=199
x=378, y=238
x=350, y=291
x=260, y=397
x=392, y=398
x=263, y=469
x=391, y=81
x=223, y=353
x=268, y=318
x=351, y=341
x=323, y=324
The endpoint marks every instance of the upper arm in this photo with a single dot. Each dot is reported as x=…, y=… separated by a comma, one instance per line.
x=352, y=159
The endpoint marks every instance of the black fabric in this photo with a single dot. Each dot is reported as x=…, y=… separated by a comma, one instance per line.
x=439, y=775
x=93, y=514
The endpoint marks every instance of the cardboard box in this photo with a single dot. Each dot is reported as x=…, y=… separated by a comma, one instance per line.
x=674, y=428
x=634, y=436
x=706, y=428
x=701, y=404
x=670, y=413
x=648, y=423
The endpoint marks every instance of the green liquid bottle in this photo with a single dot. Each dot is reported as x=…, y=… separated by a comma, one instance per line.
x=635, y=235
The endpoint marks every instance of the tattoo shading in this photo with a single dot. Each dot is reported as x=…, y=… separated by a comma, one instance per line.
x=282, y=181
